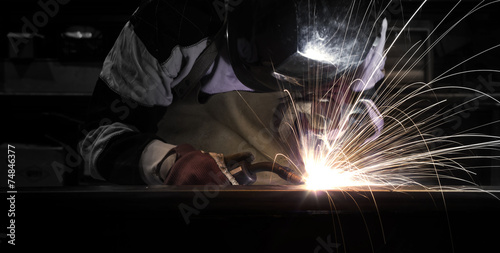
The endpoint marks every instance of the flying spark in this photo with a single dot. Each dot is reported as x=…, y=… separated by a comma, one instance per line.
x=386, y=140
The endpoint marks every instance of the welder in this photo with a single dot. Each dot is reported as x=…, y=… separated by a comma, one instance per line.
x=189, y=92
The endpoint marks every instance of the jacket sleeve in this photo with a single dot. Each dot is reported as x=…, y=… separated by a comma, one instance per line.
x=153, y=53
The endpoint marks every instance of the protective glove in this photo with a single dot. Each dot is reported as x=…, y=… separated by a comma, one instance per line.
x=189, y=166
x=195, y=167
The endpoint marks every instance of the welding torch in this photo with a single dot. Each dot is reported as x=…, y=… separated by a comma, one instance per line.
x=245, y=173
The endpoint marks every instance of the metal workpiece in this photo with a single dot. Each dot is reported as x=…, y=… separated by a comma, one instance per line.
x=271, y=198
x=274, y=218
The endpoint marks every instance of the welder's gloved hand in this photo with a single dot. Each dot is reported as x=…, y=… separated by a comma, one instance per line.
x=372, y=68
x=186, y=165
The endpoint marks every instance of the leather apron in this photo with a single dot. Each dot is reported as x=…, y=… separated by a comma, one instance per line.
x=229, y=123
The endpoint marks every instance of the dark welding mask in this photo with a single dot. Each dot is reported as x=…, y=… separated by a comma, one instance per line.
x=299, y=45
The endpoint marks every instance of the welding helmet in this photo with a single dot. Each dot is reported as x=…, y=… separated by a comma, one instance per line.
x=298, y=45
